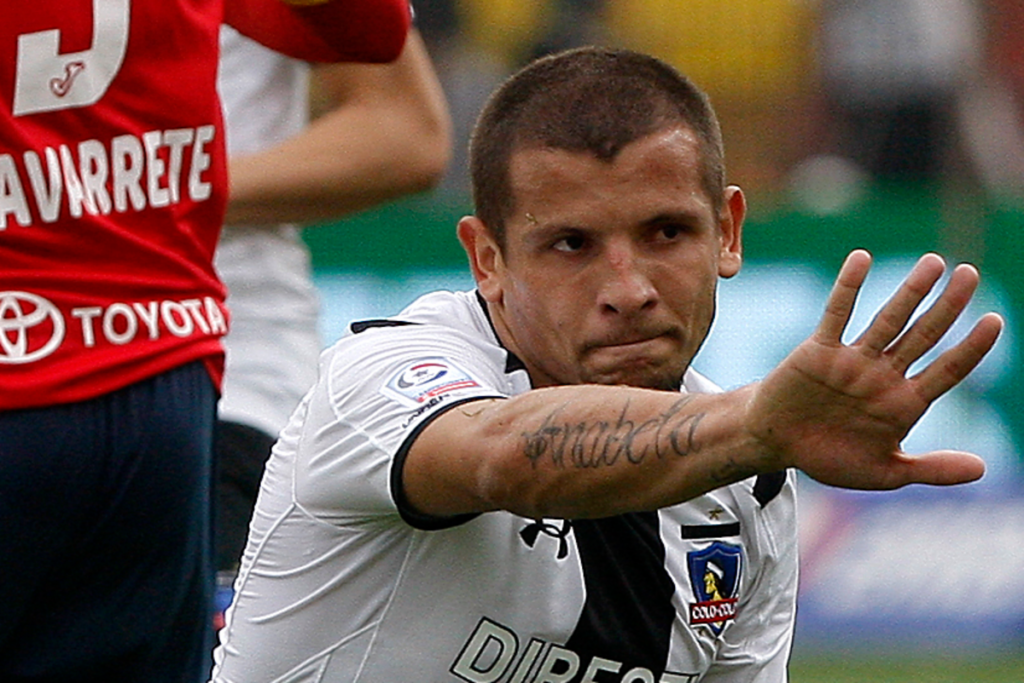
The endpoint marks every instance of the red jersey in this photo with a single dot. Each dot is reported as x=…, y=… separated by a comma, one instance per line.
x=113, y=179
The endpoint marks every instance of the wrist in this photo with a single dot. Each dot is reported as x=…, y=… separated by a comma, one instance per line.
x=760, y=443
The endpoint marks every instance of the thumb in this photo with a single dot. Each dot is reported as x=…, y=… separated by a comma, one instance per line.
x=942, y=468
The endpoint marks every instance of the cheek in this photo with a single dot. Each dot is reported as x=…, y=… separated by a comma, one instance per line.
x=540, y=313
x=693, y=297
x=546, y=320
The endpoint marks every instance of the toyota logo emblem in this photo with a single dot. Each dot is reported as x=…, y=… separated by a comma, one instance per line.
x=20, y=314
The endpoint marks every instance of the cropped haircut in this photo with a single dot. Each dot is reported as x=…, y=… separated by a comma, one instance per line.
x=591, y=100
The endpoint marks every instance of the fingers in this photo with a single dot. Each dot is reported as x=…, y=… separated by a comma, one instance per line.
x=952, y=366
x=936, y=321
x=843, y=296
x=888, y=333
x=892, y=318
x=871, y=374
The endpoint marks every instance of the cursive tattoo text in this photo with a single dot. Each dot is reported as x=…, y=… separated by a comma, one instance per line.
x=601, y=443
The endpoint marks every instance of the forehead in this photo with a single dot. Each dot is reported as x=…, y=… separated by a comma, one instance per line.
x=661, y=171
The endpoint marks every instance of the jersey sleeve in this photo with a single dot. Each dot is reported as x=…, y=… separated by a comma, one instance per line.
x=376, y=391
x=335, y=31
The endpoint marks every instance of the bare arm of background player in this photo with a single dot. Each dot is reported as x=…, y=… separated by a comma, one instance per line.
x=387, y=133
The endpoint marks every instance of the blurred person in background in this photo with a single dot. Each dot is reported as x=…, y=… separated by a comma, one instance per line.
x=753, y=57
x=477, y=43
x=892, y=70
x=383, y=132
x=991, y=109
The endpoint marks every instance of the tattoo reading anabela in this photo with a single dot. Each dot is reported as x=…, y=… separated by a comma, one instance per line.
x=591, y=444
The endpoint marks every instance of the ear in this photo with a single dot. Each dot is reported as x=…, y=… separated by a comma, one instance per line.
x=485, y=260
x=730, y=224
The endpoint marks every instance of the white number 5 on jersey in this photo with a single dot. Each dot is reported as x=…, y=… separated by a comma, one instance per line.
x=47, y=80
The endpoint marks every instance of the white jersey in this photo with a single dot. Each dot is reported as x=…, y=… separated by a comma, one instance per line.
x=273, y=343
x=340, y=582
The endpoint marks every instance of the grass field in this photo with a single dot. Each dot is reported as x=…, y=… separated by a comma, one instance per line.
x=859, y=668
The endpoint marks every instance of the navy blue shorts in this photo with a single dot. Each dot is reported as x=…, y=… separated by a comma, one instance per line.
x=241, y=453
x=105, y=544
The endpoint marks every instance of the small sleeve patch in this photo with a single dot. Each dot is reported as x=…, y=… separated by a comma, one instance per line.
x=427, y=378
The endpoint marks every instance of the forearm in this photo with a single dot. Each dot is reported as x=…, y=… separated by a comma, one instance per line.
x=319, y=176
x=387, y=133
x=586, y=451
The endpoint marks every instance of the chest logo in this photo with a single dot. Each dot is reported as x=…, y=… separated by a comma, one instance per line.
x=715, y=578
x=31, y=328
x=559, y=531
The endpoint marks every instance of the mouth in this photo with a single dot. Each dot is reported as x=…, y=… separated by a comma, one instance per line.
x=630, y=353
x=627, y=349
x=632, y=341
x=645, y=360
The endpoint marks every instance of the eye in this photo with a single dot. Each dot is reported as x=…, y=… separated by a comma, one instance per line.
x=669, y=231
x=569, y=243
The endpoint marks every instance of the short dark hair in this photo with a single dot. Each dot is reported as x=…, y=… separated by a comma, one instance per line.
x=588, y=99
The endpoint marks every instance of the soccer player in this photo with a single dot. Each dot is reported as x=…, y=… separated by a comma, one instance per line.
x=528, y=482
x=112, y=193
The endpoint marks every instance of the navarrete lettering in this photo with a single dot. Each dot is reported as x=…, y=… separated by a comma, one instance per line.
x=134, y=172
x=490, y=656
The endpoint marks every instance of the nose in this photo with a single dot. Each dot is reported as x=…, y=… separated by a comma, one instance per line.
x=627, y=287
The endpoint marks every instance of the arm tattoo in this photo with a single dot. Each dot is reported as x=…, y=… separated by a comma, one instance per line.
x=602, y=443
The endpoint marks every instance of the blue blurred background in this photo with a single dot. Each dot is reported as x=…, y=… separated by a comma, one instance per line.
x=893, y=125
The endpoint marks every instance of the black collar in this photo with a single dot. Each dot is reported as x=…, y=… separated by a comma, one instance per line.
x=512, y=361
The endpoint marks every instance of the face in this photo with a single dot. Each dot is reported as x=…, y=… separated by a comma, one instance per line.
x=610, y=269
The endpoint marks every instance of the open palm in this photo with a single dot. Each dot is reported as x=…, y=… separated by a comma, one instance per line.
x=839, y=412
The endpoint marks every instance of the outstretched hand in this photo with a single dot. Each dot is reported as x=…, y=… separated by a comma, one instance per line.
x=839, y=412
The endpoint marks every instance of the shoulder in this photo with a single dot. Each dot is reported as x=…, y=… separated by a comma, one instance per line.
x=450, y=324
x=440, y=344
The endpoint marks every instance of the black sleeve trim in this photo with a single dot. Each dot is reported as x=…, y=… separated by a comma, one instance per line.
x=412, y=517
x=363, y=325
x=692, y=532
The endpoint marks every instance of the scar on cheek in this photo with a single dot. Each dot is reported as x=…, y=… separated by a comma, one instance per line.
x=531, y=218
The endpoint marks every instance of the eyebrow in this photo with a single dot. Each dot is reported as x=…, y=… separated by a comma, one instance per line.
x=688, y=217
x=538, y=232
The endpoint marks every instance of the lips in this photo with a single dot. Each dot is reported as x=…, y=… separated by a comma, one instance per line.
x=633, y=339
x=634, y=342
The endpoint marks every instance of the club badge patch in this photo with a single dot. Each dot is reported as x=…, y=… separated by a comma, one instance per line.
x=715, y=578
x=427, y=378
